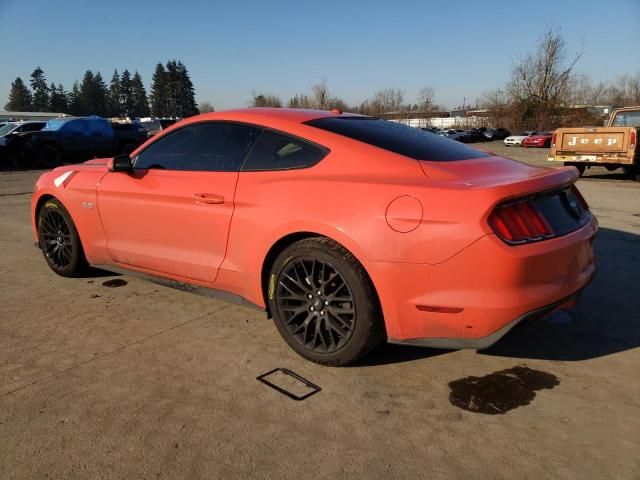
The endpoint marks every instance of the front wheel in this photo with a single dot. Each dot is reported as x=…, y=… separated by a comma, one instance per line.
x=323, y=303
x=59, y=240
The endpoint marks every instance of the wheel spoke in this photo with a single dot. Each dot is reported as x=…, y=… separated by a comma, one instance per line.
x=316, y=304
x=56, y=239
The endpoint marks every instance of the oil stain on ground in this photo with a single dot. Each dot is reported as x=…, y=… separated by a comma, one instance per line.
x=116, y=282
x=499, y=392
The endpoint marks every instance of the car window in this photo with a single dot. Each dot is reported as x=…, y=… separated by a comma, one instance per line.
x=212, y=146
x=627, y=119
x=7, y=128
x=275, y=151
x=32, y=127
x=398, y=138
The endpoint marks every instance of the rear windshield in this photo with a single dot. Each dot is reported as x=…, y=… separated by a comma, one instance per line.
x=398, y=138
x=627, y=119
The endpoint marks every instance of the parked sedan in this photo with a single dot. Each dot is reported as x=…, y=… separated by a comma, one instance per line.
x=19, y=127
x=10, y=140
x=348, y=230
x=518, y=138
x=540, y=139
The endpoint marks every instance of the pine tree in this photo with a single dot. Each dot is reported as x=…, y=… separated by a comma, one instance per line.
x=40, y=90
x=171, y=89
x=100, y=95
x=139, y=97
x=57, y=99
x=126, y=98
x=158, y=95
x=186, y=104
x=86, y=94
x=114, y=95
x=73, y=100
x=19, y=97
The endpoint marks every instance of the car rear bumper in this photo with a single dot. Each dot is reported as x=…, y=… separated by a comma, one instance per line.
x=486, y=341
x=474, y=298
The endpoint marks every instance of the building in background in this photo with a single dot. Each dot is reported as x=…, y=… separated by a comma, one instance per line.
x=16, y=116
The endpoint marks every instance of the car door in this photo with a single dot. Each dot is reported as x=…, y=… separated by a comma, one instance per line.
x=171, y=215
x=73, y=137
x=100, y=138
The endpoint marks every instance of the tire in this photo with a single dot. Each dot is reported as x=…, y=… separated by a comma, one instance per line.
x=633, y=172
x=49, y=156
x=342, y=320
x=59, y=240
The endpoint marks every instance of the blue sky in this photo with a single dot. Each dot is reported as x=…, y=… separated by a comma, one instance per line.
x=461, y=48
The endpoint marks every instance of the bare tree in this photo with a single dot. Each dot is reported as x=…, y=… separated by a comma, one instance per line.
x=265, y=100
x=387, y=100
x=425, y=98
x=545, y=74
x=206, y=107
x=624, y=91
x=540, y=81
x=321, y=95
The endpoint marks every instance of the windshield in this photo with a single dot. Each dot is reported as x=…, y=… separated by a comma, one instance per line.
x=627, y=119
x=55, y=124
x=7, y=128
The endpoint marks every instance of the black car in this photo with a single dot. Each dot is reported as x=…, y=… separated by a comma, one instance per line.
x=500, y=134
x=81, y=138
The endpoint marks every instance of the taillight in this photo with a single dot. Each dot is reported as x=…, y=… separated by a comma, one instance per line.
x=632, y=140
x=553, y=140
x=520, y=222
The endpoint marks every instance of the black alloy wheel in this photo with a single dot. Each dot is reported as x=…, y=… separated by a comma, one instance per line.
x=56, y=238
x=316, y=304
x=324, y=303
x=59, y=240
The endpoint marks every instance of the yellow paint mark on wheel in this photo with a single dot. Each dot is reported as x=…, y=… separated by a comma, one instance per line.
x=272, y=286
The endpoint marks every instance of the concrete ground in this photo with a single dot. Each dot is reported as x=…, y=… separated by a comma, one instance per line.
x=141, y=381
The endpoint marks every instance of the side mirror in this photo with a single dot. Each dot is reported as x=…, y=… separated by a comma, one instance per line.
x=120, y=163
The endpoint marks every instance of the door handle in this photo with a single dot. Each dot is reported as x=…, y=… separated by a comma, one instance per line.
x=208, y=198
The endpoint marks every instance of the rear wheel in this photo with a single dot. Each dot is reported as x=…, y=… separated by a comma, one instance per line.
x=59, y=240
x=633, y=171
x=323, y=303
x=49, y=156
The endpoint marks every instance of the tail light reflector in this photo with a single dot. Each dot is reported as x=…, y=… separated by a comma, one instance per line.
x=632, y=140
x=520, y=222
x=553, y=139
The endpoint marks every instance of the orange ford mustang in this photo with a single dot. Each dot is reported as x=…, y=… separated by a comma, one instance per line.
x=349, y=230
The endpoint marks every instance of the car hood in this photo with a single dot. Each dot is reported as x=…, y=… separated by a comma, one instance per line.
x=498, y=172
x=515, y=137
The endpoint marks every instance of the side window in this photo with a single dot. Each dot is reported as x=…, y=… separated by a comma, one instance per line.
x=213, y=146
x=275, y=151
x=32, y=127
